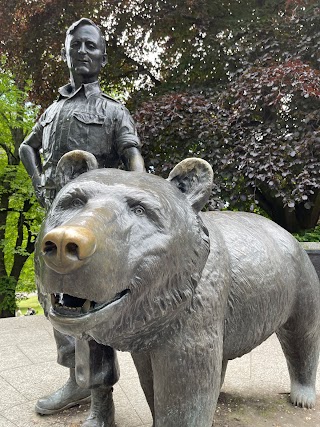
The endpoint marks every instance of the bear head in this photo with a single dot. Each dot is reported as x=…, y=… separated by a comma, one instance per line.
x=121, y=253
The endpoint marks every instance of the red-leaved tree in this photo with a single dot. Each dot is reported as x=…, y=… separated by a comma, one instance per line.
x=260, y=131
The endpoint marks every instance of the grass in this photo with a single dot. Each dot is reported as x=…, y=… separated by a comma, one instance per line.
x=30, y=302
x=309, y=235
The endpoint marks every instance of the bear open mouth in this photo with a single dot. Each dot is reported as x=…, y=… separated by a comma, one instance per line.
x=68, y=305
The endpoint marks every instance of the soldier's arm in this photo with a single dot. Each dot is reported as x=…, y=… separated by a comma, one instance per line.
x=29, y=153
x=133, y=160
x=128, y=142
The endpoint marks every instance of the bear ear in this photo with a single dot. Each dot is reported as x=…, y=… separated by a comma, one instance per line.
x=194, y=177
x=73, y=164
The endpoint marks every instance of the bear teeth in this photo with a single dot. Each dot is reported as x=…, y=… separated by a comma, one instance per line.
x=86, y=306
x=68, y=305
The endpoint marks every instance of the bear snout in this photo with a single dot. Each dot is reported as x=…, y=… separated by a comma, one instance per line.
x=66, y=248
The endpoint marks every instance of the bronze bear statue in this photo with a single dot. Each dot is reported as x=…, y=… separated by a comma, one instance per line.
x=183, y=291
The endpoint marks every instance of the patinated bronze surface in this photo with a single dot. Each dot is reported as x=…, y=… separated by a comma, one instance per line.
x=129, y=261
x=82, y=118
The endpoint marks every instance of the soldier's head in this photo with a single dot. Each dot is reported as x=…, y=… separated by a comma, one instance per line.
x=84, y=51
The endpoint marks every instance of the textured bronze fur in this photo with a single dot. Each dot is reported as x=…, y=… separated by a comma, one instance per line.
x=181, y=310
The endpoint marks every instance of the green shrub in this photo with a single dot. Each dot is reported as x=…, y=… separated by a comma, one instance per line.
x=309, y=235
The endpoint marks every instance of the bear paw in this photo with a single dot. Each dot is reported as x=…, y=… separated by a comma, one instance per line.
x=303, y=396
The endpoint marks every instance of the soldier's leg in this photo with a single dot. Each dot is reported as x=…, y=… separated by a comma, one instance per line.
x=70, y=394
x=97, y=372
x=97, y=368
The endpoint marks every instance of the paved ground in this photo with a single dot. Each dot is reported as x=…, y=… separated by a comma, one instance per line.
x=255, y=393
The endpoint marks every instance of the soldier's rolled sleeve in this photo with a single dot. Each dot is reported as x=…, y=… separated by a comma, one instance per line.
x=126, y=132
x=37, y=132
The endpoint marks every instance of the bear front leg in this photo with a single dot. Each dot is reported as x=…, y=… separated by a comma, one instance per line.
x=186, y=385
x=143, y=365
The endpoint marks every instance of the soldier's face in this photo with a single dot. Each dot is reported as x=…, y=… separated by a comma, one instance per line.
x=84, y=53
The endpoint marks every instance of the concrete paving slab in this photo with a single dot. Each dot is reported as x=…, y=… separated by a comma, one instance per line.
x=4, y=422
x=24, y=336
x=255, y=392
x=29, y=381
x=262, y=398
x=43, y=353
x=12, y=357
x=9, y=396
x=26, y=417
x=249, y=409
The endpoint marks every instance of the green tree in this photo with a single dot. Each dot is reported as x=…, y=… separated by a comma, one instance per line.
x=19, y=213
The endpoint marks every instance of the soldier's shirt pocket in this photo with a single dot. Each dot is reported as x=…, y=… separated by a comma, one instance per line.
x=87, y=130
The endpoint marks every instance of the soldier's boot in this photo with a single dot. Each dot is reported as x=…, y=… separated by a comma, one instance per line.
x=102, y=408
x=70, y=394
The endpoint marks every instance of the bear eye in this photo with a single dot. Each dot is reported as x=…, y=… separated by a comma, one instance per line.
x=138, y=210
x=77, y=203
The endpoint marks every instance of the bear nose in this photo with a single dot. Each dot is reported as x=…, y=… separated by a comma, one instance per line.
x=67, y=248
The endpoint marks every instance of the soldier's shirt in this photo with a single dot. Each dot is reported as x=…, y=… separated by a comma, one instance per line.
x=85, y=119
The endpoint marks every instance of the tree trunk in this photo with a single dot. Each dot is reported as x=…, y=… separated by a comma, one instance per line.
x=7, y=296
x=7, y=293
x=19, y=260
x=293, y=220
x=4, y=311
x=308, y=218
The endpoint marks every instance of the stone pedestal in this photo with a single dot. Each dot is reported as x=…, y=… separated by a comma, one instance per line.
x=313, y=250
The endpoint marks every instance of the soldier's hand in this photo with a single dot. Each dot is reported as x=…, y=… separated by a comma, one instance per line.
x=39, y=192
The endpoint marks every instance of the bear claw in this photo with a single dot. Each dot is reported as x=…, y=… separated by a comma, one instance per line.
x=303, y=396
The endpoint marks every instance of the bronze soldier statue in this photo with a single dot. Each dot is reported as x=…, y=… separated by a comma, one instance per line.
x=82, y=118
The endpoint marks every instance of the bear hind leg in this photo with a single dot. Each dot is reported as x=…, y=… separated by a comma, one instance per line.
x=223, y=371
x=301, y=349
